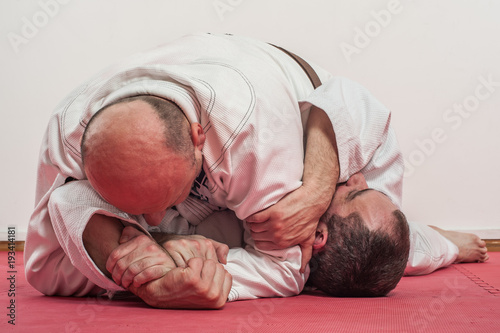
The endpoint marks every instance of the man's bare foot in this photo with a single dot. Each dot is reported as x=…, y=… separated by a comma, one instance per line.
x=471, y=248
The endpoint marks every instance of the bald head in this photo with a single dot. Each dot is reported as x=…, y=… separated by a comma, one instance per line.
x=139, y=154
x=138, y=113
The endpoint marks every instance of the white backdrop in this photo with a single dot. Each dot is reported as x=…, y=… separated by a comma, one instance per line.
x=435, y=64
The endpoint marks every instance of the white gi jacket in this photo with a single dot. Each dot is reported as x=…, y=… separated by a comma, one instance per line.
x=245, y=94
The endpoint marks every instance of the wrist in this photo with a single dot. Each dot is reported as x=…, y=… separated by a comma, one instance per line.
x=318, y=196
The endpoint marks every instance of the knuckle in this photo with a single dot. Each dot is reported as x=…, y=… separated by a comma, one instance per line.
x=115, y=255
x=134, y=269
x=170, y=245
x=147, y=274
x=209, y=246
x=278, y=227
x=121, y=265
x=151, y=247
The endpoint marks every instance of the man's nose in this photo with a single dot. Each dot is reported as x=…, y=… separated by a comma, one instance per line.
x=357, y=180
x=154, y=219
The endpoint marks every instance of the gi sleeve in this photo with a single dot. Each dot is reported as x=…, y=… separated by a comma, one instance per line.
x=259, y=273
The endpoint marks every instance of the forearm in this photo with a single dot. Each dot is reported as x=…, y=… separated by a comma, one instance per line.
x=321, y=163
x=100, y=237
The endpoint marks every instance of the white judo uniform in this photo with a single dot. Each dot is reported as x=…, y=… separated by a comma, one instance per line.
x=246, y=96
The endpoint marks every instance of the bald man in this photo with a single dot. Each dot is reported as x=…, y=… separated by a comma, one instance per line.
x=225, y=93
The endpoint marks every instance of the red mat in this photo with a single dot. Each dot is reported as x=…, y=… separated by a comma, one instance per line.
x=460, y=298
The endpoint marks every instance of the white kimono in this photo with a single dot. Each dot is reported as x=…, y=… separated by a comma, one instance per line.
x=246, y=96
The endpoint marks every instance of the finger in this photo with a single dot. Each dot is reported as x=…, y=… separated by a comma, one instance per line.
x=118, y=271
x=279, y=238
x=228, y=283
x=218, y=289
x=259, y=227
x=306, y=255
x=262, y=236
x=118, y=253
x=206, y=250
x=259, y=217
x=178, y=258
x=194, y=266
x=149, y=274
x=209, y=270
x=192, y=248
x=140, y=266
x=221, y=251
x=182, y=250
x=202, y=248
x=129, y=233
x=131, y=271
x=138, y=249
x=266, y=246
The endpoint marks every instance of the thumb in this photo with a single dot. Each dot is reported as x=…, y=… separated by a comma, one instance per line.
x=307, y=250
x=129, y=233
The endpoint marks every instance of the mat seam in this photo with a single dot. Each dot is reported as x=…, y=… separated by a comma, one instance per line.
x=477, y=280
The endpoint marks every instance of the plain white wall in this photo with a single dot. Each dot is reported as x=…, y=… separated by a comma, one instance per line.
x=429, y=61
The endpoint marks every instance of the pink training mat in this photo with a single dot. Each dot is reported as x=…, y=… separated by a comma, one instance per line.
x=460, y=298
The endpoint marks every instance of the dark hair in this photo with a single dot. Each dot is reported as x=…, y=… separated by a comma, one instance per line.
x=177, y=133
x=359, y=262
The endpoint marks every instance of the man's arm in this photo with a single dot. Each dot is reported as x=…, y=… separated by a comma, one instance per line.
x=100, y=237
x=293, y=220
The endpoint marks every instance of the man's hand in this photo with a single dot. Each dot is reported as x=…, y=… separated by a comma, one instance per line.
x=138, y=260
x=291, y=221
x=184, y=247
x=202, y=284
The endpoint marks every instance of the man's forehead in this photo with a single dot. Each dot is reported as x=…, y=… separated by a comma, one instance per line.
x=356, y=193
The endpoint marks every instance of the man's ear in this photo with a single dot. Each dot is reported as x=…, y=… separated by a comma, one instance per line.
x=321, y=237
x=197, y=135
